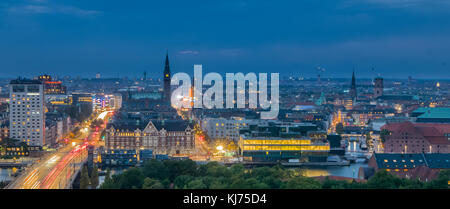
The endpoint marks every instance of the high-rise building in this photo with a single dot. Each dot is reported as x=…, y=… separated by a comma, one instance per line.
x=27, y=116
x=52, y=87
x=378, y=87
x=167, y=90
x=353, y=87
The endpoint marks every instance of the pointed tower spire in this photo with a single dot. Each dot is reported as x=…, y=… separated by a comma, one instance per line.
x=166, y=79
x=353, y=79
x=166, y=65
x=353, y=86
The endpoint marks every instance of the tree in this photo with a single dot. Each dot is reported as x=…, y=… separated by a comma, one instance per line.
x=442, y=182
x=383, y=180
x=152, y=184
x=196, y=184
x=155, y=169
x=218, y=184
x=339, y=128
x=94, y=177
x=332, y=184
x=84, y=181
x=237, y=169
x=218, y=170
x=9, y=142
x=108, y=174
x=111, y=182
x=181, y=181
x=368, y=137
x=184, y=167
x=301, y=182
x=132, y=178
x=383, y=135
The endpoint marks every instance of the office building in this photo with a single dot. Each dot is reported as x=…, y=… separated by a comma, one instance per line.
x=27, y=117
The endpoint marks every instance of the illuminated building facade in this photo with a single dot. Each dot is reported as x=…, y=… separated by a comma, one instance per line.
x=421, y=166
x=116, y=101
x=259, y=149
x=52, y=87
x=222, y=128
x=27, y=117
x=163, y=137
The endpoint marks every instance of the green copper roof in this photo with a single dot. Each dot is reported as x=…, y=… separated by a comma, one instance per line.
x=436, y=112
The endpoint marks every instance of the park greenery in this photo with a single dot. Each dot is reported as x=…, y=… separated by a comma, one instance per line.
x=187, y=174
x=339, y=128
x=383, y=135
x=87, y=182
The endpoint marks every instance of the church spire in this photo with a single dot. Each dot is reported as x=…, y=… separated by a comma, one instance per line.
x=353, y=86
x=353, y=79
x=166, y=79
x=166, y=65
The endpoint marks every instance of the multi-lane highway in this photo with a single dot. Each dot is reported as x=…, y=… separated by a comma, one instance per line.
x=55, y=170
x=42, y=172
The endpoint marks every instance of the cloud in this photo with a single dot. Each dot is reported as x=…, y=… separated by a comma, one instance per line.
x=188, y=52
x=30, y=9
x=77, y=11
x=43, y=7
x=399, y=3
x=230, y=52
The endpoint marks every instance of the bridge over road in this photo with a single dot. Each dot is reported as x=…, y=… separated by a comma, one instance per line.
x=56, y=171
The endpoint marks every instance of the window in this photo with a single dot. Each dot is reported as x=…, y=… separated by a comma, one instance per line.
x=18, y=88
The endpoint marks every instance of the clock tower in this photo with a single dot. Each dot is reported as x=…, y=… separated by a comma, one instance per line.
x=166, y=79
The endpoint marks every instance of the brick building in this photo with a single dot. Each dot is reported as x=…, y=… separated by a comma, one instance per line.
x=424, y=166
x=410, y=137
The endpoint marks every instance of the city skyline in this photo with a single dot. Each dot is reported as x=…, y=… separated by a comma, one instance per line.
x=224, y=95
x=395, y=38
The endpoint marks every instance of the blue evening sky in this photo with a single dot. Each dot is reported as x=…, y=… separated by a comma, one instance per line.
x=399, y=38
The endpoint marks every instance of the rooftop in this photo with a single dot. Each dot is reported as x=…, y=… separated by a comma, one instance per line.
x=436, y=112
x=25, y=81
x=407, y=161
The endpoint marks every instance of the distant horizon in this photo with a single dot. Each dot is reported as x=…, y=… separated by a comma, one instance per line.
x=282, y=77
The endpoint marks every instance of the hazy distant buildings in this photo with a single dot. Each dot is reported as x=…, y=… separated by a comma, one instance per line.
x=52, y=87
x=117, y=101
x=378, y=87
x=27, y=106
x=83, y=104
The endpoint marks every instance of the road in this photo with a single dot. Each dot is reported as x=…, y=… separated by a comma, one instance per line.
x=54, y=170
x=201, y=150
x=36, y=176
